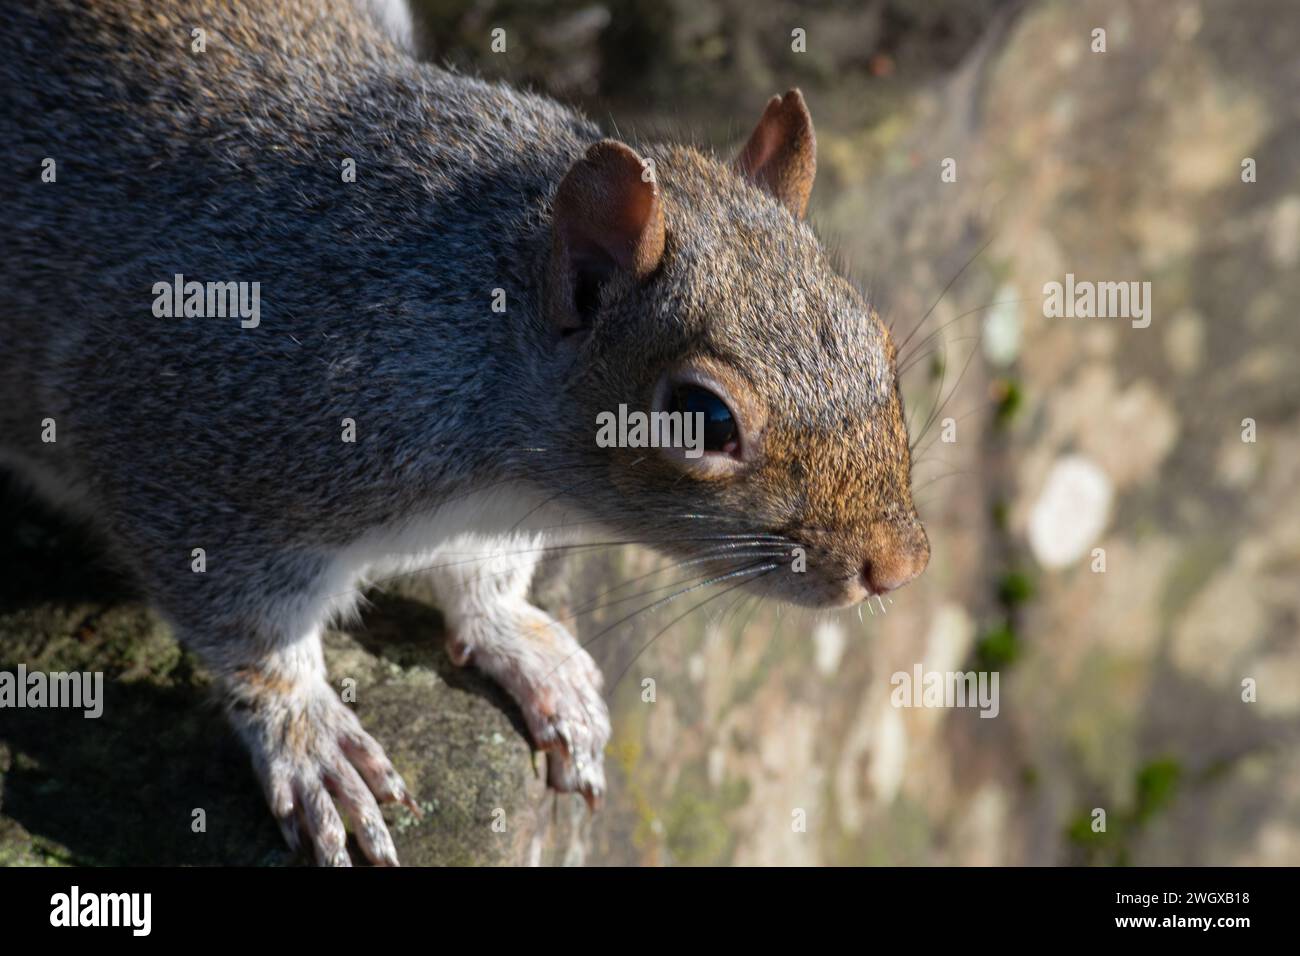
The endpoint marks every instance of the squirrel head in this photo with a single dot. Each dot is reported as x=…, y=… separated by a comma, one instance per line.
x=678, y=283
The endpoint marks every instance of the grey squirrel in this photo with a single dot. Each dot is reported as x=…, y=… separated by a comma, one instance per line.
x=213, y=453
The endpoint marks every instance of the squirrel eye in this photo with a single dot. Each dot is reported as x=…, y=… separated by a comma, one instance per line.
x=720, y=431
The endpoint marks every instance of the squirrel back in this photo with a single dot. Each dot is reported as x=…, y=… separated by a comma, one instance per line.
x=226, y=164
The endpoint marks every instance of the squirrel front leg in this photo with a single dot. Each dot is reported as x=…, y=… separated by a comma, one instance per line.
x=482, y=588
x=309, y=750
x=310, y=753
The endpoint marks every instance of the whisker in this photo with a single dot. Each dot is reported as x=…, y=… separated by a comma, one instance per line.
x=703, y=558
x=713, y=597
x=959, y=418
x=934, y=414
x=951, y=282
x=916, y=359
x=488, y=556
x=717, y=579
x=957, y=318
x=950, y=474
x=623, y=600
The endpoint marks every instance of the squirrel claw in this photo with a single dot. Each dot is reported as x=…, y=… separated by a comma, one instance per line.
x=406, y=800
x=317, y=766
x=558, y=687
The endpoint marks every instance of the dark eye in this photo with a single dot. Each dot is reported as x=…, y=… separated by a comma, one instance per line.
x=720, y=431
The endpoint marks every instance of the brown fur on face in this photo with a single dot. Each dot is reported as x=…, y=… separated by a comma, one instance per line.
x=746, y=293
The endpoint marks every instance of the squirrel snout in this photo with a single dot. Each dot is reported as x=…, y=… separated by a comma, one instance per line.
x=895, y=558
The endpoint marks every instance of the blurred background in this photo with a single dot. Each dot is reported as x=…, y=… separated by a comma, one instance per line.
x=1121, y=670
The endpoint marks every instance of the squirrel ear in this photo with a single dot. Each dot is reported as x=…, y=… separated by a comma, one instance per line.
x=606, y=218
x=781, y=155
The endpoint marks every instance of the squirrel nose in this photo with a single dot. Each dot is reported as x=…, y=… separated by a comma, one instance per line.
x=895, y=561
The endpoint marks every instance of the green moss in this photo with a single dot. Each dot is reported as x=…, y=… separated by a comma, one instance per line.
x=625, y=752
x=734, y=793
x=1010, y=400
x=697, y=832
x=1015, y=588
x=20, y=848
x=695, y=821
x=1081, y=833
x=1157, y=784
x=998, y=647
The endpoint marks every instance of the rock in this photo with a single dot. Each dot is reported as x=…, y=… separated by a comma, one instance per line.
x=828, y=644
x=1070, y=513
x=123, y=789
x=1002, y=328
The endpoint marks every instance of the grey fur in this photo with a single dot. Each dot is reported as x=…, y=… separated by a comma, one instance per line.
x=375, y=305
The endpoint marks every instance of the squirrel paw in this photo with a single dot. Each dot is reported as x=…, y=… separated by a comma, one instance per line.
x=557, y=686
x=314, y=758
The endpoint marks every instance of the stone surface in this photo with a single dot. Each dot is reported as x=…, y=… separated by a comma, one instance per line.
x=1121, y=689
x=769, y=736
x=123, y=788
